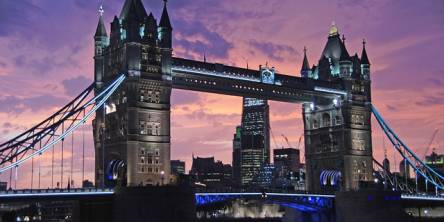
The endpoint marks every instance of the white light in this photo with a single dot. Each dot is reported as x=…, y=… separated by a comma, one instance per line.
x=335, y=102
x=162, y=172
x=312, y=106
x=426, y=211
x=376, y=180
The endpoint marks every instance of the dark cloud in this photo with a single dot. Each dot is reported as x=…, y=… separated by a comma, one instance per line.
x=7, y=125
x=16, y=105
x=272, y=50
x=74, y=86
x=212, y=43
x=182, y=97
x=391, y=108
x=16, y=16
x=431, y=100
x=200, y=114
x=436, y=82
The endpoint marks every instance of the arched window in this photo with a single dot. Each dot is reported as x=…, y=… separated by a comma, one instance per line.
x=325, y=120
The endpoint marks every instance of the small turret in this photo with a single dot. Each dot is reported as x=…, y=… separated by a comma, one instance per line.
x=345, y=63
x=165, y=28
x=305, y=70
x=150, y=31
x=100, y=44
x=365, y=63
x=116, y=32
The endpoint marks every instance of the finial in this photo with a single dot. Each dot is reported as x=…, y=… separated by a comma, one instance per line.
x=205, y=57
x=101, y=11
x=333, y=29
x=305, y=50
x=165, y=2
x=364, y=42
x=343, y=38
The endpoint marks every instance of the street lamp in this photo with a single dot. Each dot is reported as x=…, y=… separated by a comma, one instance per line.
x=162, y=173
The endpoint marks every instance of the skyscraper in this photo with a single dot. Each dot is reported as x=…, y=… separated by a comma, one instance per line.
x=255, y=138
x=236, y=160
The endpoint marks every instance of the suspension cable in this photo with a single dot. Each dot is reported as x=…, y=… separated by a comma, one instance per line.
x=72, y=159
x=61, y=172
x=52, y=167
x=32, y=171
x=83, y=152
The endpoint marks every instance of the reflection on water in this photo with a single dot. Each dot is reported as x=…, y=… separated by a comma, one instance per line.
x=242, y=209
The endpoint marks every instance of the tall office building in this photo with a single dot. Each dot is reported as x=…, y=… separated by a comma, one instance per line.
x=255, y=138
x=236, y=160
x=177, y=167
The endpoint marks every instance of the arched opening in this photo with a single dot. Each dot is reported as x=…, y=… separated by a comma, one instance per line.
x=326, y=120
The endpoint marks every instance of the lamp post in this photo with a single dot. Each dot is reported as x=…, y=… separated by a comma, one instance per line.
x=162, y=173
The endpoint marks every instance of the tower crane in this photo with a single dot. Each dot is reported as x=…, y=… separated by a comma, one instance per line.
x=430, y=143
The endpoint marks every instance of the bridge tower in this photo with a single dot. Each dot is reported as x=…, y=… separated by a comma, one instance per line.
x=132, y=132
x=338, y=135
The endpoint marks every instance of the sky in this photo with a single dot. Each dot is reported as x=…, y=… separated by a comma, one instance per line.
x=46, y=51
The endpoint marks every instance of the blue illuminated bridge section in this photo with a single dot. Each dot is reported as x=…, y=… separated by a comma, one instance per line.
x=305, y=202
x=229, y=80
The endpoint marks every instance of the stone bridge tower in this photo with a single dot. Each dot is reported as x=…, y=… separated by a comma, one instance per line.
x=338, y=145
x=132, y=132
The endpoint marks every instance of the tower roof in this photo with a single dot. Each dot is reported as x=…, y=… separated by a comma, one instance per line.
x=305, y=63
x=165, y=19
x=344, y=53
x=101, y=30
x=364, y=57
x=135, y=8
x=333, y=48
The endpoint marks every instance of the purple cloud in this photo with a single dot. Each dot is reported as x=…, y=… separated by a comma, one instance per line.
x=74, y=86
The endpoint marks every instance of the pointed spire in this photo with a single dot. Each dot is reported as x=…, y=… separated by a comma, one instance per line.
x=165, y=19
x=205, y=57
x=101, y=30
x=134, y=8
x=344, y=53
x=305, y=63
x=364, y=57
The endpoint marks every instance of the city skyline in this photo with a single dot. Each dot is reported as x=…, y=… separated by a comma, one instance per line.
x=219, y=118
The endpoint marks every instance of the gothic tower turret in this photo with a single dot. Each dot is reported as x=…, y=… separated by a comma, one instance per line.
x=345, y=64
x=165, y=28
x=365, y=63
x=305, y=70
x=338, y=135
x=100, y=43
x=132, y=136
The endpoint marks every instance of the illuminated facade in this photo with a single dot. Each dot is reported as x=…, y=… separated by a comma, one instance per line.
x=255, y=137
x=338, y=145
x=132, y=134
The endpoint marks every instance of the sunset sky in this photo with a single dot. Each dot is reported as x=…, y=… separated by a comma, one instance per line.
x=46, y=50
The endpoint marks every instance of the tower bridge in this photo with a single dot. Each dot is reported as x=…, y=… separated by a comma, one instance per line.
x=135, y=73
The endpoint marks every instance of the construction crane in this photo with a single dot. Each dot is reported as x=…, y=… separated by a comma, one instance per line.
x=430, y=143
x=286, y=140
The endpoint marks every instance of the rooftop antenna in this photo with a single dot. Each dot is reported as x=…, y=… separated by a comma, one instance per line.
x=205, y=56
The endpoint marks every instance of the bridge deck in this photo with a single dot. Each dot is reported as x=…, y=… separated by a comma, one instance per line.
x=229, y=80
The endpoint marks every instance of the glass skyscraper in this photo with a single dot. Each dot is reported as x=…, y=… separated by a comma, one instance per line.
x=255, y=138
